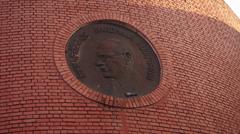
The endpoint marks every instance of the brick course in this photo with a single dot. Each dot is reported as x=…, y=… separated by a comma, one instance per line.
x=198, y=43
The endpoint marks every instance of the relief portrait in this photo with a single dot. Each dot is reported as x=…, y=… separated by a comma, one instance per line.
x=109, y=62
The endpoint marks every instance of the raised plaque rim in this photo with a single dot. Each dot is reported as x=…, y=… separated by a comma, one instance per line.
x=166, y=75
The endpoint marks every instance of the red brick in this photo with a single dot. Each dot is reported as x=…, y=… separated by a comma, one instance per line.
x=197, y=42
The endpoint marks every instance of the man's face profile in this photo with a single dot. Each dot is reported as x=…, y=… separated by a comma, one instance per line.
x=111, y=59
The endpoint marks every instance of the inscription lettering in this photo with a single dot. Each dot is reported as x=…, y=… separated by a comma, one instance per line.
x=111, y=30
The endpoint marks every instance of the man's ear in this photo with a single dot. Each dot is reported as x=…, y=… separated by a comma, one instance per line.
x=128, y=57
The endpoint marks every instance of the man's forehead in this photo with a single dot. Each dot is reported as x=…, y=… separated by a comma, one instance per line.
x=109, y=44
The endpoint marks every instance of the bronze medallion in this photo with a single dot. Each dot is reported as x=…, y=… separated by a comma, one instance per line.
x=113, y=59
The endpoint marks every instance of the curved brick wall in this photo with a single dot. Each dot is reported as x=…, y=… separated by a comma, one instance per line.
x=198, y=45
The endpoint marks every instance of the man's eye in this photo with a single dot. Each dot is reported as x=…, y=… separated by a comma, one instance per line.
x=104, y=56
x=128, y=55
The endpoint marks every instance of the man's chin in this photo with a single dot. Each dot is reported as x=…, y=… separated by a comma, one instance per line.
x=108, y=76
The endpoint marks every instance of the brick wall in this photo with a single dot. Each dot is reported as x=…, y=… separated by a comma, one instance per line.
x=196, y=41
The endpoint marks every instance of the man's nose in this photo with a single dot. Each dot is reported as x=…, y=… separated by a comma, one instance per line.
x=102, y=66
x=100, y=63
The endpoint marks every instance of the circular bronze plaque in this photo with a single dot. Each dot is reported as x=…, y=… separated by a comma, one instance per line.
x=113, y=59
